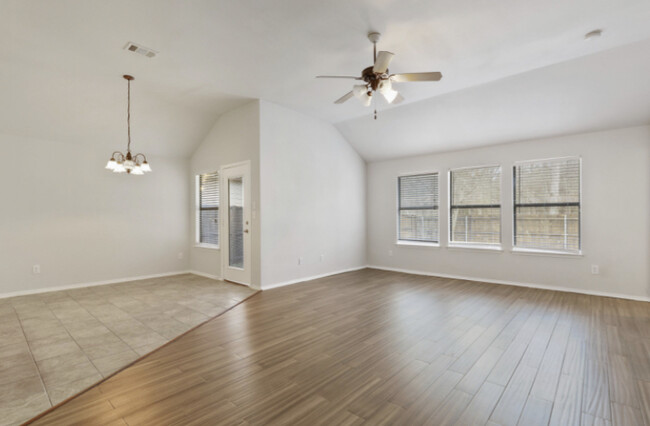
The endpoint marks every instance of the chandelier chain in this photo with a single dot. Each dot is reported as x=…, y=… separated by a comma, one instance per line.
x=128, y=115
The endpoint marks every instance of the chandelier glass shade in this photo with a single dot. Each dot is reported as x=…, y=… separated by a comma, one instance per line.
x=128, y=163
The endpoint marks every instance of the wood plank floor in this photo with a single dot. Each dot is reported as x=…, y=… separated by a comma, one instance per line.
x=376, y=347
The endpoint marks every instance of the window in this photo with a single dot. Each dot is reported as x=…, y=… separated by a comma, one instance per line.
x=418, y=208
x=547, y=205
x=475, y=205
x=208, y=209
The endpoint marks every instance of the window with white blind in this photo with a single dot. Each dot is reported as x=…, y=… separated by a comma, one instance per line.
x=207, y=215
x=547, y=205
x=418, y=208
x=475, y=206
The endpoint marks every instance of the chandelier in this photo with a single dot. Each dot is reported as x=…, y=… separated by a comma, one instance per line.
x=131, y=164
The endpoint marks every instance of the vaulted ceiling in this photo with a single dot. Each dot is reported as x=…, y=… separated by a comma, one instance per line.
x=513, y=69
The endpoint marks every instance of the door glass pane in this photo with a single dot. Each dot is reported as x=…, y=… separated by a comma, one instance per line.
x=236, y=222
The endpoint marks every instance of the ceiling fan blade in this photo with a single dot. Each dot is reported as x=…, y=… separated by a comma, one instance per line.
x=382, y=61
x=344, y=98
x=416, y=76
x=338, y=76
x=398, y=99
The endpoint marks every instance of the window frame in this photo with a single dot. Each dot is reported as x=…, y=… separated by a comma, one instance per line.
x=415, y=243
x=526, y=250
x=474, y=245
x=197, y=218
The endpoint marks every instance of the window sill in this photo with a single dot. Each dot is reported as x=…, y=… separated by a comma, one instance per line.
x=417, y=244
x=552, y=253
x=480, y=247
x=207, y=246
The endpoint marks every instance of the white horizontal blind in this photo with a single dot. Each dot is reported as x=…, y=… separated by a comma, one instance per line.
x=547, y=204
x=475, y=205
x=418, y=208
x=208, y=217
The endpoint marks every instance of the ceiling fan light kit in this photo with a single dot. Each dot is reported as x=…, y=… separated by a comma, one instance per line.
x=128, y=163
x=378, y=79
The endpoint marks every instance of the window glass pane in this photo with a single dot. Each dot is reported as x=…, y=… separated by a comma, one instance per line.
x=418, y=191
x=547, y=205
x=418, y=225
x=549, y=181
x=209, y=226
x=418, y=208
x=236, y=222
x=209, y=208
x=475, y=208
x=476, y=225
x=549, y=228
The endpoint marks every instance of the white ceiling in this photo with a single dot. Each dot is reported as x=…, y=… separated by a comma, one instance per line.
x=61, y=63
x=602, y=91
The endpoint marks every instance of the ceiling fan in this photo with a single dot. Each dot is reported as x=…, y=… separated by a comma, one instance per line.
x=377, y=79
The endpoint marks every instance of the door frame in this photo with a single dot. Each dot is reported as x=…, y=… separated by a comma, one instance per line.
x=236, y=275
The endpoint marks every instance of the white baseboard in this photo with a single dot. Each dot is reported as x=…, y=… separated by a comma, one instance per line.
x=517, y=284
x=203, y=274
x=313, y=277
x=89, y=284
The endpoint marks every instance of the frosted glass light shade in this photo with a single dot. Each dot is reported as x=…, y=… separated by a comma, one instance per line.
x=361, y=92
x=137, y=171
x=386, y=89
x=111, y=164
x=145, y=167
x=119, y=168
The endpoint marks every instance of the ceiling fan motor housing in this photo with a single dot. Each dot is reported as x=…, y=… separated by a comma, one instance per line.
x=370, y=77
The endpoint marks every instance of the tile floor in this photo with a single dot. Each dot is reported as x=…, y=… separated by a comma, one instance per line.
x=53, y=345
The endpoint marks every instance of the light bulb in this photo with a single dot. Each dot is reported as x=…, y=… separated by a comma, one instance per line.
x=137, y=171
x=111, y=164
x=145, y=167
x=119, y=168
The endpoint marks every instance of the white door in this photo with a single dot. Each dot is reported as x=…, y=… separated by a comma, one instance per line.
x=236, y=229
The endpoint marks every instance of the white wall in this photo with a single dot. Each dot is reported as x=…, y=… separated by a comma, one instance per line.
x=615, y=216
x=81, y=223
x=312, y=196
x=235, y=137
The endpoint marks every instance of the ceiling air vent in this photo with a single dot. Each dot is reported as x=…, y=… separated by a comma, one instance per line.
x=140, y=50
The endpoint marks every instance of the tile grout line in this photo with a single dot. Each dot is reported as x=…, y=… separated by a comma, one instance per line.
x=81, y=347
x=73, y=339
x=31, y=355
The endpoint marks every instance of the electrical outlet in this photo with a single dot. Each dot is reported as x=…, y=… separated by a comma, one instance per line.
x=180, y=255
x=36, y=269
x=300, y=261
x=595, y=269
x=390, y=252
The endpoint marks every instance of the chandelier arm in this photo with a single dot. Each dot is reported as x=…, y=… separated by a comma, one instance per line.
x=118, y=154
x=135, y=157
